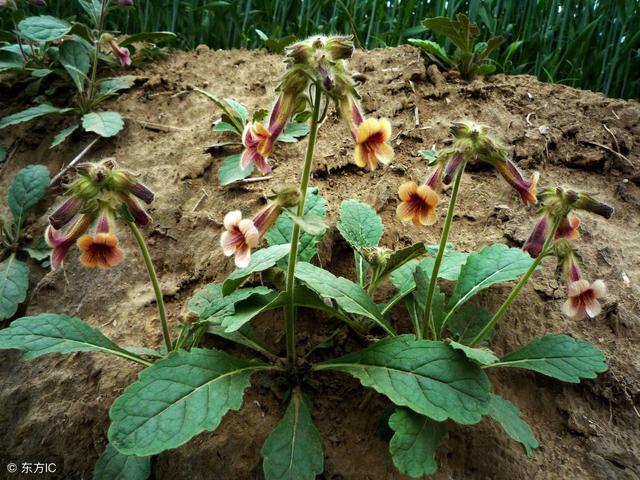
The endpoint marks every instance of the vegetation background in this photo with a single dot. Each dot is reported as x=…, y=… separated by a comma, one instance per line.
x=591, y=44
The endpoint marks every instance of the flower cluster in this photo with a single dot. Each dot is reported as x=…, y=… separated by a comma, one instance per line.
x=95, y=199
x=319, y=61
x=471, y=142
x=241, y=235
x=559, y=221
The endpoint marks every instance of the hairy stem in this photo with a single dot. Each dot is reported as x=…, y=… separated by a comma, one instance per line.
x=154, y=282
x=290, y=307
x=516, y=290
x=442, y=247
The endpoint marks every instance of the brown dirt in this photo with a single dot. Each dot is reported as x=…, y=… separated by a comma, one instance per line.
x=56, y=408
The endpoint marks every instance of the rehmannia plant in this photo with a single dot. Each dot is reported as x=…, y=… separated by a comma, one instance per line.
x=434, y=374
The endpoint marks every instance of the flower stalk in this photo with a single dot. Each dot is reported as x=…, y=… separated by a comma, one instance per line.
x=290, y=307
x=441, y=249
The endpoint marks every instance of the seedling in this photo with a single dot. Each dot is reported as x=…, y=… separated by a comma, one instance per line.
x=470, y=58
x=47, y=47
x=26, y=190
x=434, y=373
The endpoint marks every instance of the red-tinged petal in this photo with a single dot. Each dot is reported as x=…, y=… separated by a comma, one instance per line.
x=568, y=227
x=101, y=251
x=384, y=153
x=139, y=214
x=360, y=156
x=142, y=192
x=534, y=244
x=406, y=190
x=451, y=168
x=592, y=307
x=232, y=219
x=243, y=257
x=599, y=288
x=65, y=213
x=228, y=243
x=404, y=212
x=262, y=164
x=384, y=126
x=573, y=310
x=250, y=232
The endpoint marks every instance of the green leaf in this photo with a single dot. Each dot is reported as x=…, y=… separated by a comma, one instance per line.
x=280, y=233
x=428, y=377
x=10, y=60
x=230, y=170
x=452, y=262
x=350, y=296
x=38, y=249
x=75, y=59
x=43, y=28
x=111, y=86
x=400, y=258
x=312, y=224
x=293, y=450
x=31, y=113
x=239, y=108
x=26, y=190
x=225, y=107
x=92, y=8
x=247, y=310
x=482, y=356
x=53, y=333
x=414, y=442
x=105, y=124
x=244, y=336
x=149, y=37
x=225, y=127
x=62, y=135
x=177, y=398
x=432, y=48
x=467, y=322
x=113, y=465
x=3, y=153
x=510, y=419
x=212, y=306
x=261, y=260
x=359, y=224
x=558, y=356
x=14, y=283
x=293, y=132
x=491, y=265
x=460, y=31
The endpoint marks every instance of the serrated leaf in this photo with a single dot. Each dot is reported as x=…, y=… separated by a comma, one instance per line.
x=177, y=398
x=558, y=356
x=293, y=450
x=43, y=28
x=212, y=306
x=414, y=442
x=432, y=48
x=482, y=356
x=111, y=86
x=510, y=419
x=75, y=59
x=113, y=465
x=491, y=265
x=460, y=31
x=62, y=135
x=280, y=233
x=14, y=284
x=293, y=132
x=467, y=322
x=359, y=224
x=149, y=37
x=31, y=113
x=350, y=296
x=230, y=170
x=261, y=260
x=429, y=377
x=26, y=190
x=105, y=124
x=53, y=333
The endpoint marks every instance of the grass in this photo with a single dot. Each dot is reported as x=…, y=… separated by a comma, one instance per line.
x=588, y=44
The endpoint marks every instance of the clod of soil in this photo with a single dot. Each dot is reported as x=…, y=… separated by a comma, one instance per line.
x=55, y=408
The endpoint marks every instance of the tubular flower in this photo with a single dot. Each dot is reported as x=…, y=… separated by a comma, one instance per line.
x=121, y=52
x=240, y=237
x=257, y=143
x=534, y=244
x=61, y=243
x=351, y=111
x=568, y=227
x=583, y=299
x=101, y=250
x=65, y=212
x=418, y=204
x=371, y=143
x=513, y=176
x=584, y=201
x=452, y=167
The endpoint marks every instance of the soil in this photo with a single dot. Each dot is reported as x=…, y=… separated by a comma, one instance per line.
x=56, y=408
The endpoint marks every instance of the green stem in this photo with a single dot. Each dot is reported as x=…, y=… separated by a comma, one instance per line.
x=154, y=281
x=290, y=307
x=516, y=290
x=441, y=249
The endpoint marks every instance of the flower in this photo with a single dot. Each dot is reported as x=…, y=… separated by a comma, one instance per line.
x=418, y=204
x=535, y=243
x=452, y=167
x=101, y=250
x=583, y=299
x=371, y=143
x=513, y=176
x=240, y=237
x=61, y=243
x=568, y=227
x=257, y=142
x=65, y=212
x=121, y=52
x=351, y=112
x=584, y=201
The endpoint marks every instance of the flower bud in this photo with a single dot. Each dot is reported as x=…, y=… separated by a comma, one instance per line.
x=376, y=256
x=288, y=196
x=584, y=201
x=535, y=243
x=339, y=47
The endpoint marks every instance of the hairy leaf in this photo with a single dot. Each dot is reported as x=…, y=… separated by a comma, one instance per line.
x=510, y=419
x=432, y=48
x=31, y=113
x=558, y=356
x=414, y=442
x=359, y=224
x=26, y=190
x=429, y=377
x=261, y=260
x=105, y=124
x=111, y=86
x=293, y=450
x=43, y=28
x=113, y=465
x=14, y=283
x=75, y=59
x=177, y=398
